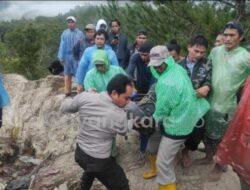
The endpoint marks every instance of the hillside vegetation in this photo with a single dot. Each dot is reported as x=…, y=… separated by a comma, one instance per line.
x=27, y=46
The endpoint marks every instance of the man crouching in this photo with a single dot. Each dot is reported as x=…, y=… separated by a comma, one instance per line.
x=101, y=118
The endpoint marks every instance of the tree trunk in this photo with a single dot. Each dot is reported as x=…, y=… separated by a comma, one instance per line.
x=240, y=6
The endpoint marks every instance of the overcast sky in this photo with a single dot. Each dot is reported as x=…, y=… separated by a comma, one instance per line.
x=30, y=9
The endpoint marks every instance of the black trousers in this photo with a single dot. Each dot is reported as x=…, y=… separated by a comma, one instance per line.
x=1, y=117
x=195, y=137
x=105, y=170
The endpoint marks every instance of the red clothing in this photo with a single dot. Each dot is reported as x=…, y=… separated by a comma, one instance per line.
x=235, y=146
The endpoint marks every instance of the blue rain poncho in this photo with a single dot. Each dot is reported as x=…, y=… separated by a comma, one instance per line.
x=4, y=97
x=86, y=62
x=69, y=39
x=97, y=80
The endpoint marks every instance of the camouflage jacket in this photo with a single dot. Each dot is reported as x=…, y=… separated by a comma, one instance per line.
x=201, y=75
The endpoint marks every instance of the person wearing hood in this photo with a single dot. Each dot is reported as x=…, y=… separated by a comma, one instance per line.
x=101, y=24
x=98, y=77
x=86, y=62
x=177, y=109
x=102, y=117
x=69, y=38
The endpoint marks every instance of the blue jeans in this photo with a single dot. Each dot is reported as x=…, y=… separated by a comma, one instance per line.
x=143, y=142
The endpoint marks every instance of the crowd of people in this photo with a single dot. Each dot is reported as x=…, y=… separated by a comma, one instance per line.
x=185, y=100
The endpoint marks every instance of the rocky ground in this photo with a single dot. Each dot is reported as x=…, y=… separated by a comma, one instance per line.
x=37, y=146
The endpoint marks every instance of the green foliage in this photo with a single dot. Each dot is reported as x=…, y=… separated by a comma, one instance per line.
x=27, y=46
x=166, y=20
x=25, y=42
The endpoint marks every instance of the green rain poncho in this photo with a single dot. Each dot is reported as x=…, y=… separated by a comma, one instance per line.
x=229, y=70
x=97, y=80
x=177, y=105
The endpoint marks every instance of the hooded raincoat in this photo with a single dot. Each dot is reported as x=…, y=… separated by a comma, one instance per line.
x=177, y=105
x=97, y=80
x=86, y=62
x=229, y=70
x=69, y=39
x=101, y=22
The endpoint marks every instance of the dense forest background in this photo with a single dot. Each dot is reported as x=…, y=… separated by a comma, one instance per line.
x=27, y=46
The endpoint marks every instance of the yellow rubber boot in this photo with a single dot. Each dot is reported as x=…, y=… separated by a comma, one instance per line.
x=171, y=186
x=152, y=172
